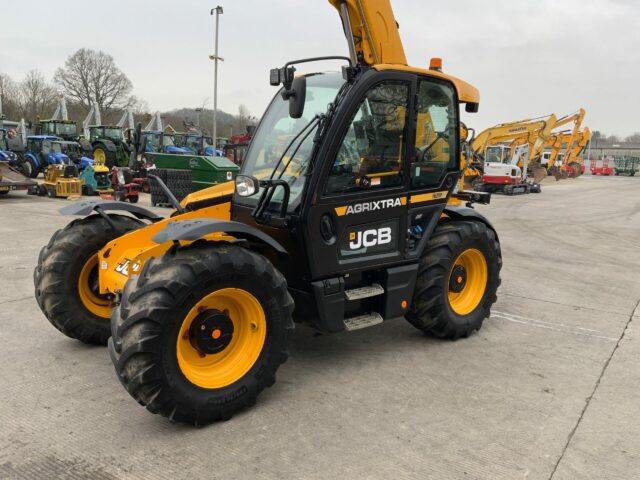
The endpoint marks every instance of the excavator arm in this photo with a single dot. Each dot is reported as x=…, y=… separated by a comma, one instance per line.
x=535, y=131
x=581, y=140
x=577, y=119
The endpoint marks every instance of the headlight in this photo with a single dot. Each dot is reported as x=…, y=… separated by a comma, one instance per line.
x=246, y=186
x=120, y=176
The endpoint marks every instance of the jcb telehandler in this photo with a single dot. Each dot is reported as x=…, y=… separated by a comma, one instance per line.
x=346, y=207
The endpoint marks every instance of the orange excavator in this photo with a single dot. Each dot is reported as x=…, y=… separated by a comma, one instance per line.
x=569, y=141
x=571, y=162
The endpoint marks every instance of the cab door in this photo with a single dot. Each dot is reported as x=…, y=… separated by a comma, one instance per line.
x=357, y=219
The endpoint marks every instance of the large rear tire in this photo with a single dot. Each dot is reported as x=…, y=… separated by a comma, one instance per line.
x=66, y=277
x=458, y=277
x=101, y=154
x=28, y=168
x=201, y=332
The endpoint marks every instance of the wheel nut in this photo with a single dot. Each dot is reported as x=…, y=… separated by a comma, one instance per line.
x=254, y=326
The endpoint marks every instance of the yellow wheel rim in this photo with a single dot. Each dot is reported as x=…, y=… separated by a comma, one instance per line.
x=87, y=288
x=467, y=281
x=99, y=156
x=220, y=369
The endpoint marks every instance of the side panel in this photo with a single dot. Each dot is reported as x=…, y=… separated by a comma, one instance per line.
x=125, y=256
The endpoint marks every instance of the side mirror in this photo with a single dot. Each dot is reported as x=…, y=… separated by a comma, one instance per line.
x=297, y=96
x=472, y=107
x=246, y=186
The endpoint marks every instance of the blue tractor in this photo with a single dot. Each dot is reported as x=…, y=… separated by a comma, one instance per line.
x=194, y=143
x=6, y=155
x=45, y=150
x=160, y=142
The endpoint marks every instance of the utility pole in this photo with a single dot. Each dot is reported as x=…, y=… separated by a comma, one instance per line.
x=217, y=12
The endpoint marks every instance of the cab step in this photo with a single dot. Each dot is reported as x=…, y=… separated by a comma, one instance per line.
x=362, y=321
x=364, y=292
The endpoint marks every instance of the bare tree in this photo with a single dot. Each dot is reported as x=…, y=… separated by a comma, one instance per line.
x=242, y=120
x=633, y=138
x=35, y=96
x=88, y=75
x=8, y=96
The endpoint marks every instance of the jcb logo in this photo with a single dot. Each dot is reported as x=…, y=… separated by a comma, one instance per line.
x=369, y=238
x=123, y=268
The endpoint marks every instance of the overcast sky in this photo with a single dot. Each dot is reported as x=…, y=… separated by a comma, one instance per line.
x=527, y=57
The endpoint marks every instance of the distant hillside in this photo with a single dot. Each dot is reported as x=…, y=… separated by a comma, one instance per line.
x=228, y=124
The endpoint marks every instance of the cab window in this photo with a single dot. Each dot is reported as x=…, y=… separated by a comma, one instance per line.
x=436, y=134
x=371, y=154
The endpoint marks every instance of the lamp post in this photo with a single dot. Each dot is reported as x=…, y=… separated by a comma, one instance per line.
x=217, y=12
x=198, y=110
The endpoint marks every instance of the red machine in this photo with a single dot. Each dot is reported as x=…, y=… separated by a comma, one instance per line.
x=236, y=150
x=601, y=167
x=126, y=188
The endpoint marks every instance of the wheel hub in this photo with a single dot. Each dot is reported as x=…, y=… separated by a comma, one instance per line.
x=211, y=332
x=458, y=279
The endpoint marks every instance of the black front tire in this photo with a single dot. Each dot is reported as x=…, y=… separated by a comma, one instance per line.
x=430, y=310
x=58, y=271
x=146, y=326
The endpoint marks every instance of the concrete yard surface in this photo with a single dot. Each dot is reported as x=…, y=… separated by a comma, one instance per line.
x=547, y=389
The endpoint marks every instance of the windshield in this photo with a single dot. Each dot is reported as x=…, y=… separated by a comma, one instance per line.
x=277, y=129
x=168, y=141
x=498, y=154
x=192, y=142
x=56, y=148
x=153, y=139
x=115, y=133
x=66, y=129
x=3, y=140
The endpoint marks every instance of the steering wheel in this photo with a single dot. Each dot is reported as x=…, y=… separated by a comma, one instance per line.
x=426, y=150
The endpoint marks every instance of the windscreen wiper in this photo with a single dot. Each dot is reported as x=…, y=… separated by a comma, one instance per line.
x=271, y=184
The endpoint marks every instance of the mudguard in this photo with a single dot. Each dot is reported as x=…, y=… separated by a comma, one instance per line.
x=197, y=228
x=86, y=207
x=466, y=213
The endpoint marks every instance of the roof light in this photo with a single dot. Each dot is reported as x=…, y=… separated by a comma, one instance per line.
x=435, y=64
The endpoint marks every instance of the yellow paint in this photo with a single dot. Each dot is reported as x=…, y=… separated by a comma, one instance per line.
x=427, y=197
x=375, y=31
x=137, y=246
x=475, y=265
x=341, y=211
x=220, y=190
x=97, y=305
x=231, y=364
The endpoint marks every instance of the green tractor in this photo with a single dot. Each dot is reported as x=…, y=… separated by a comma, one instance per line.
x=65, y=129
x=109, y=146
x=107, y=141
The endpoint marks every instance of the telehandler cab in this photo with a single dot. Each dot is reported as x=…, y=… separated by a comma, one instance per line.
x=347, y=207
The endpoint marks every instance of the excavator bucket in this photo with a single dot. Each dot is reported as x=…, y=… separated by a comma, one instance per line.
x=539, y=173
x=576, y=170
